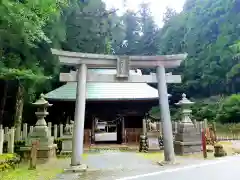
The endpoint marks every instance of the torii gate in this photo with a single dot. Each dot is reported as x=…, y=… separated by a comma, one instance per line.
x=83, y=61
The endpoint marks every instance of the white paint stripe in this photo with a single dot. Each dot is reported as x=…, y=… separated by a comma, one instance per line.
x=222, y=160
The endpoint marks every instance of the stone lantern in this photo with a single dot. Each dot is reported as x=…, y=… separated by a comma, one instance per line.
x=41, y=113
x=188, y=138
x=47, y=149
x=186, y=111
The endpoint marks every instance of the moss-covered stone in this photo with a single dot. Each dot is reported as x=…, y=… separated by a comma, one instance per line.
x=219, y=150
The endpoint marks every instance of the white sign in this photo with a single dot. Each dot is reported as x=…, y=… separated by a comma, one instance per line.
x=153, y=143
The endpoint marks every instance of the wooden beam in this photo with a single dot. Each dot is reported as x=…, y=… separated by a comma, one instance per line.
x=111, y=78
x=110, y=61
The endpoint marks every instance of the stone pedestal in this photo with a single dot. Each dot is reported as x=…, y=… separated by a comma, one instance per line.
x=66, y=144
x=47, y=149
x=40, y=133
x=187, y=139
x=153, y=141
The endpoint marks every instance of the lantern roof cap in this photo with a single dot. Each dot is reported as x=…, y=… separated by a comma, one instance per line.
x=184, y=100
x=41, y=101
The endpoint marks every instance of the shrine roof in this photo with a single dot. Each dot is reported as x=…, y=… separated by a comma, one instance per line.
x=106, y=91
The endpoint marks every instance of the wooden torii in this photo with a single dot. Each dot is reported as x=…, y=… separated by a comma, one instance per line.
x=83, y=61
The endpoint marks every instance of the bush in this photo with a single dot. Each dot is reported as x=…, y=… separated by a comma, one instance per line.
x=59, y=145
x=17, y=145
x=229, y=111
x=207, y=108
x=8, y=161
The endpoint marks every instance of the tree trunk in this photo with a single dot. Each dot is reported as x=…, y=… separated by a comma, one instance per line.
x=3, y=101
x=19, y=111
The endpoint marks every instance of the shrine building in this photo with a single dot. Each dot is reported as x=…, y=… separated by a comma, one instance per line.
x=114, y=111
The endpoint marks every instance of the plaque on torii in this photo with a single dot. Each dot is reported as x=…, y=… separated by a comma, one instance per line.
x=123, y=67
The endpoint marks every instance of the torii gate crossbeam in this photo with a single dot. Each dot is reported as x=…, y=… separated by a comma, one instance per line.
x=83, y=61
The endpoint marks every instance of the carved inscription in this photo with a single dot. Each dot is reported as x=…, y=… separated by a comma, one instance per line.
x=122, y=67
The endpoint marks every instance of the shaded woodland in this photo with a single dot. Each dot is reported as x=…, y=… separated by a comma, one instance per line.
x=208, y=30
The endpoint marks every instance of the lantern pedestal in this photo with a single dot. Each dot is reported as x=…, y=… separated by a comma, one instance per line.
x=187, y=140
x=46, y=149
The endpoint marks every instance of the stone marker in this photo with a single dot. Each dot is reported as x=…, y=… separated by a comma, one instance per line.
x=33, y=155
x=1, y=140
x=11, y=134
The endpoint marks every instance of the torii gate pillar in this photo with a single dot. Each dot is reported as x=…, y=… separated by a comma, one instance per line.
x=169, y=155
x=79, y=117
x=83, y=61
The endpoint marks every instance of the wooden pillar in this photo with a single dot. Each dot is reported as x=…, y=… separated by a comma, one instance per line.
x=93, y=130
x=123, y=131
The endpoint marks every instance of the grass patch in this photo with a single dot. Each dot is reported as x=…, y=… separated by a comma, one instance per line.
x=68, y=155
x=22, y=173
x=4, y=157
x=158, y=156
x=153, y=156
x=46, y=171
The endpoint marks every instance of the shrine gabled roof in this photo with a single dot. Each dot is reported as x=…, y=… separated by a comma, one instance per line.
x=106, y=91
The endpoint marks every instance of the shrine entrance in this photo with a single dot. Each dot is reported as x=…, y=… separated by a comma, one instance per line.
x=123, y=65
x=108, y=131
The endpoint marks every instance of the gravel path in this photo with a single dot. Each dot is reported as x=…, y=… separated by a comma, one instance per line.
x=113, y=165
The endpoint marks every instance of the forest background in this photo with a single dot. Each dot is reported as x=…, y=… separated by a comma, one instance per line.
x=208, y=30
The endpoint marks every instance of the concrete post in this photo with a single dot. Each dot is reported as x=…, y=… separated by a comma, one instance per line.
x=61, y=130
x=123, y=131
x=55, y=133
x=25, y=131
x=169, y=155
x=50, y=128
x=11, y=134
x=6, y=129
x=79, y=117
x=31, y=130
x=93, y=130
x=1, y=140
x=18, y=132
x=144, y=126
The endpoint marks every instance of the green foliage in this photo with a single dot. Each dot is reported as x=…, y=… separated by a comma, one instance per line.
x=209, y=32
x=8, y=161
x=229, y=112
x=17, y=145
x=207, y=108
x=59, y=145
